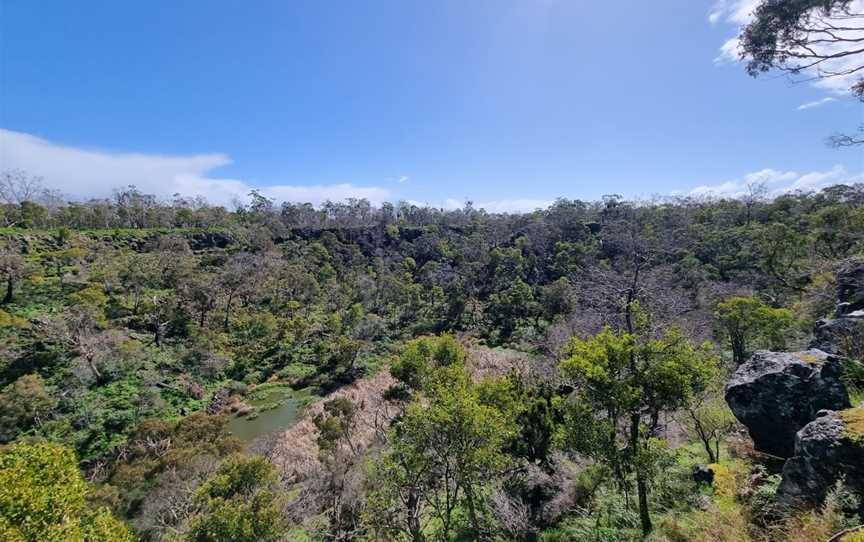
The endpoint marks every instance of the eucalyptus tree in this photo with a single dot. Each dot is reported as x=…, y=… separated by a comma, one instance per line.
x=813, y=39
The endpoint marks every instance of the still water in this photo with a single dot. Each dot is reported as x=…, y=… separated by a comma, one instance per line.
x=268, y=421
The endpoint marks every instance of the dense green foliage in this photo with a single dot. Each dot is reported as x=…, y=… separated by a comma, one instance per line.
x=447, y=445
x=541, y=370
x=626, y=381
x=747, y=321
x=237, y=503
x=43, y=499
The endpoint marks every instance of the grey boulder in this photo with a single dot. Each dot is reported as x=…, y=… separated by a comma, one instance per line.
x=827, y=450
x=775, y=394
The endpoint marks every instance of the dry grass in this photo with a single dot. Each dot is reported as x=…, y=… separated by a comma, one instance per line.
x=816, y=525
x=727, y=525
x=850, y=535
x=296, y=450
x=485, y=362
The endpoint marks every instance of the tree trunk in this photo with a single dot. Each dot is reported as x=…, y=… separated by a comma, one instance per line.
x=157, y=333
x=644, y=515
x=641, y=483
x=227, y=311
x=705, y=438
x=415, y=530
x=739, y=350
x=472, y=511
x=9, y=287
x=712, y=457
x=93, y=368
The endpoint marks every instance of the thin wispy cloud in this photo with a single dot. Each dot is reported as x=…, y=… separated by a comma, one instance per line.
x=95, y=173
x=778, y=183
x=733, y=12
x=402, y=179
x=817, y=103
x=737, y=12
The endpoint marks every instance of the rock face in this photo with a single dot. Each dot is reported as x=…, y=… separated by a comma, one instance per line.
x=834, y=334
x=826, y=450
x=775, y=394
x=831, y=335
x=850, y=289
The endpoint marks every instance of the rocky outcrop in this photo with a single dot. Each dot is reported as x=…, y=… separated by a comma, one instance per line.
x=850, y=289
x=207, y=240
x=775, y=394
x=835, y=335
x=828, y=449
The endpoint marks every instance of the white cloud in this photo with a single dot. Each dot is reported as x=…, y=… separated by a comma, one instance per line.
x=740, y=13
x=778, y=183
x=732, y=11
x=817, y=103
x=95, y=173
x=729, y=51
x=86, y=173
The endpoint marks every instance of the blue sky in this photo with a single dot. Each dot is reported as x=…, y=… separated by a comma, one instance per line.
x=507, y=103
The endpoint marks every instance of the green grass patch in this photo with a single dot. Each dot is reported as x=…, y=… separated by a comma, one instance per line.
x=273, y=394
x=853, y=424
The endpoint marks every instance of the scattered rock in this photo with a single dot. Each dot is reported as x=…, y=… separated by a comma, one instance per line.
x=828, y=449
x=775, y=394
x=208, y=240
x=218, y=402
x=244, y=409
x=703, y=475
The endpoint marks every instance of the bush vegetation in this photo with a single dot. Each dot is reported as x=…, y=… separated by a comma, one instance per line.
x=550, y=376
